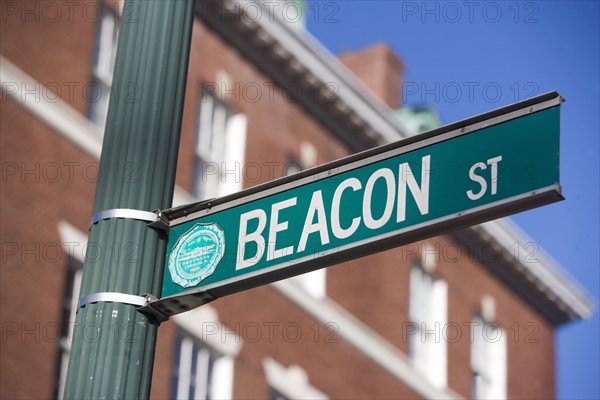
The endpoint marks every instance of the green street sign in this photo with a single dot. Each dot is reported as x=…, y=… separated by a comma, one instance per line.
x=461, y=174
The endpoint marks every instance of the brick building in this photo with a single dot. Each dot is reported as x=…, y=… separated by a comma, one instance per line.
x=468, y=314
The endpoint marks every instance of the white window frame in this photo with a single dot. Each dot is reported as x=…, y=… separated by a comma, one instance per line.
x=428, y=313
x=215, y=345
x=220, y=141
x=313, y=283
x=74, y=241
x=291, y=382
x=189, y=349
x=488, y=360
x=104, y=63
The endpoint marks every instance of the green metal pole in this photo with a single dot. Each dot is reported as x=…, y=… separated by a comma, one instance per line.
x=112, y=353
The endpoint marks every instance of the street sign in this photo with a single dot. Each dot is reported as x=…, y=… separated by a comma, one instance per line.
x=461, y=174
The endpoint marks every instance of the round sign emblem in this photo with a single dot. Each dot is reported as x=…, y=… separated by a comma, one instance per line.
x=196, y=255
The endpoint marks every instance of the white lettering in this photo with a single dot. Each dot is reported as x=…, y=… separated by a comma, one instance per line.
x=493, y=163
x=276, y=226
x=256, y=237
x=479, y=179
x=336, y=228
x=420, y=194
x=316, y=206
x=388, y=176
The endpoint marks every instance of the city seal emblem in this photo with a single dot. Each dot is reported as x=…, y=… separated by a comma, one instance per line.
x=196, y=254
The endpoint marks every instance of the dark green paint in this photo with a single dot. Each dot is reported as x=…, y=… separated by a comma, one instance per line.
x=112, y=352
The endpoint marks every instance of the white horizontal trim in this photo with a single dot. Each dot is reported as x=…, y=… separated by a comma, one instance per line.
x=291, y=382
x=327, y=68
x=364, y=339
x=540, y=265
x=59, y=115
x=73, y=241
x=203, y=323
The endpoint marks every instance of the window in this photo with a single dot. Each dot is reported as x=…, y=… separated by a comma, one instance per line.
x=193, y=374
x=204, y=354
x=488, y=359
x=289, y=383
x=106, y=50
x=275, y=395
x=69, y=236
x=292, y=165
x=428, y=315
x=71, y=299
x=220, y=141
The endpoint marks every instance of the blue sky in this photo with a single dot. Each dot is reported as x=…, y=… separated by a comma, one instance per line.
x=468, y=57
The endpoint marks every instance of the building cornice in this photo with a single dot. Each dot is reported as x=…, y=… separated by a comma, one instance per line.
x=525, y=267
x=330, y=92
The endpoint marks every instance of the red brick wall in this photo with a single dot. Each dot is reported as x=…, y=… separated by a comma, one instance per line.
x=361, y=286
x=530, y=340
x=163, y=362
x=380, y=285
x=332, y=365
x=52, y=41
x=380, y=70
x=45, y=180
x=33, y=272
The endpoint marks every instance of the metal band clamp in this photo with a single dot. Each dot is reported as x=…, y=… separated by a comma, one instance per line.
x=114, y=297
x=125, y=213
